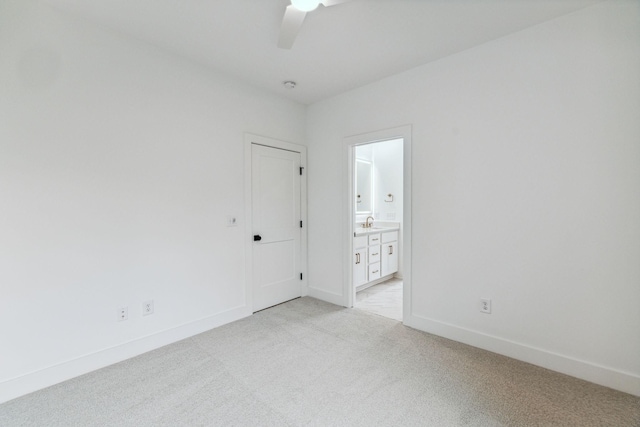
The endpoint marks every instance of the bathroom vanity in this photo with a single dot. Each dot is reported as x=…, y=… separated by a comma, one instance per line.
x=375, y=255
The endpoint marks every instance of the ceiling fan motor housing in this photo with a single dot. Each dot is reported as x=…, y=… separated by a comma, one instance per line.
x=305, y=5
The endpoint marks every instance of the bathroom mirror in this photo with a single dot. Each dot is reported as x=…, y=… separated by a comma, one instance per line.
x=364, y=184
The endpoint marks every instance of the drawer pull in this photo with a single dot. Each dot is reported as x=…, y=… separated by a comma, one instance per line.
x=374, y=254
x=374, y=271
x=358, y=258
x=373, y=240
x=390, y=250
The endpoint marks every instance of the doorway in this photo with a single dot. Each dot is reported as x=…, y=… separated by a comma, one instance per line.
x=276, y=240
x=378, y=218
x=378, y=183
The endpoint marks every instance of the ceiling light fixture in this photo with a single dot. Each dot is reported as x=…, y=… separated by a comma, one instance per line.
x=289, y=84
x=305, y=5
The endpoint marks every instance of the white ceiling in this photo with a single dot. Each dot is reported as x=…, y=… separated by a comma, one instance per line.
x=339, y=48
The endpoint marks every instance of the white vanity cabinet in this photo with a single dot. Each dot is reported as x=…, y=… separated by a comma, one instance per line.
x=360, y=273
x=375, y=256
x=389, y=253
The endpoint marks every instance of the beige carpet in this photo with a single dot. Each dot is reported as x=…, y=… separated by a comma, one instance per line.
x=309, y=363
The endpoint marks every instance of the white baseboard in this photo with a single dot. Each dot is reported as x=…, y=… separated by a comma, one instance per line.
x=602, y=375
x=337, y=299
x=33, y=381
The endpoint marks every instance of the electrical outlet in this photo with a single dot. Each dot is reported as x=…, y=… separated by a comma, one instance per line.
x=147, y=307
x=485, y=305
x=123, y=314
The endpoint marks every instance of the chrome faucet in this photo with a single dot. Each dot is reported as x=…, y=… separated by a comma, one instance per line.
x=368, y=224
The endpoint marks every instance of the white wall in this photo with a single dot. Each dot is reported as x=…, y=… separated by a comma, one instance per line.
x=118, y=166
x=387, y=164
x=526, y=178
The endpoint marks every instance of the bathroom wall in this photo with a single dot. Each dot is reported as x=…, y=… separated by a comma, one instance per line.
x=387, y=158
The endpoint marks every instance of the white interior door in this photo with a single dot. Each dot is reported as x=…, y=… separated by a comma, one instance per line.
x=276, y=220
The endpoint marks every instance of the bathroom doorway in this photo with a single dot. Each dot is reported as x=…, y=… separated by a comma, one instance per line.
x=379, y=223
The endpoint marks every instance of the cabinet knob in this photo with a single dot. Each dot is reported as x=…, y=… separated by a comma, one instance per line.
x=257, y=237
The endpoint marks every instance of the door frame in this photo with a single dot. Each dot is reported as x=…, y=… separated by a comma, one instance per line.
x=348, y=215
x=249, y=141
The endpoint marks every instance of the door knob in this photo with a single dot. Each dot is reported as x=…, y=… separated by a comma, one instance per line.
x=257, y=237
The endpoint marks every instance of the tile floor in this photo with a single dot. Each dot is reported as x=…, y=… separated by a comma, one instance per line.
x=384, y=299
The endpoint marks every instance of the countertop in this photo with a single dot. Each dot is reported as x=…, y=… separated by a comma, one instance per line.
x=361, y=231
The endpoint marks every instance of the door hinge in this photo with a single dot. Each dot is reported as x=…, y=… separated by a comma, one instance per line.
x=300, y=224
x=301, y=167
x=300, y=276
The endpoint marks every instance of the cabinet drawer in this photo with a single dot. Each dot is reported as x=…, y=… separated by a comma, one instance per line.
x=374, y=239
x=360, y=242
x=374, y=271
x=389, y=236
x=374, y=254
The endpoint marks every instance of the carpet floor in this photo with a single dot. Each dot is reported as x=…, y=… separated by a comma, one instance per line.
x=309, y=363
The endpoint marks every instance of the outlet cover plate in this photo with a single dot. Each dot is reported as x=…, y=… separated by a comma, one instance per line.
x=485, y=305
x=123, y=314
x=147, y=307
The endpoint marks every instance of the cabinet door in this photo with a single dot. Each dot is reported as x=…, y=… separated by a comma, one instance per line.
x=389, y=258
x=359, y=267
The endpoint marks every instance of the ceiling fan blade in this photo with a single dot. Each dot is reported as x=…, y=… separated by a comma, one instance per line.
x=327, y=3
x=290, y=28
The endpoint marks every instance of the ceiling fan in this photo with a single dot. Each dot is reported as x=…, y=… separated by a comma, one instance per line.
x=294, y=16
